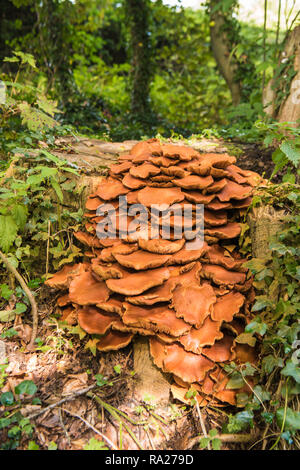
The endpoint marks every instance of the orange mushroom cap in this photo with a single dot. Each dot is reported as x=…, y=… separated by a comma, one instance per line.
x=193, y=303
x=86, y=290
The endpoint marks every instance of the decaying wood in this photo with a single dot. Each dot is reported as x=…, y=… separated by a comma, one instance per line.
x=289, y=109
x=150, y=381
x=264, y=222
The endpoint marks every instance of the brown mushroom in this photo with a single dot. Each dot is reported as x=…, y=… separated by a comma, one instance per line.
x=141, y=260
x=220, y=275
x=85, y=290
x=114, y=340
x=193, y=303
x=137, y=283
x=206, y=335
x=95, y=322
x=63, y=278
x=161, y=246
x=111, y=189
x=227, y=306
x=162, y=319
x=168, y=196
x=194, y=182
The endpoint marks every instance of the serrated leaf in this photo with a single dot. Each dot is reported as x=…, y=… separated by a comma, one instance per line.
x=20, y=213
x=8, y=232
x=290, y=151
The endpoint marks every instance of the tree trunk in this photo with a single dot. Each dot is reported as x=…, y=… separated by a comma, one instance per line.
x=138, y=11
x=222, y=51
x=286, y=83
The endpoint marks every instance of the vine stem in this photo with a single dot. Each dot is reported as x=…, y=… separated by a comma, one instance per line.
x=34, y=310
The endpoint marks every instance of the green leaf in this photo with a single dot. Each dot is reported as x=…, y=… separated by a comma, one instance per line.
x=270, y=362
x=216, y=444
x=8, y=232
x=240, y=421
x=27, y=386
x=235, y=382
x=292, y=154
x=291, y=370
x=52, y=446
x=20, y=213
x=260, y=304
x=292, y=419
x=203, y=443
x=6, y=398
x=246, y=338
x=6, y=292
x=95, y=444
x=33, y=446
x=20, y=308
x=57, y=189
x=7, y=315
x=117, y=369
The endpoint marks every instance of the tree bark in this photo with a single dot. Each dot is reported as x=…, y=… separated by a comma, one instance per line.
x=288, y=110
x=222, y=51
x=138, y=11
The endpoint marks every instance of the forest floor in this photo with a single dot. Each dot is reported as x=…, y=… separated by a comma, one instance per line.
x=82, y=396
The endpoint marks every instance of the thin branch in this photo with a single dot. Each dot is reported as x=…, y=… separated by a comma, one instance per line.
x=202, y=423
x=233, y=438
x=74, y=395
x=34, y=310
x=89, y=425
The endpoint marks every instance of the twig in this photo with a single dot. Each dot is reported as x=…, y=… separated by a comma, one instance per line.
x=89, y=425
x=233, y=438
x=34, y=311
x=60, y=402
x=202, y=423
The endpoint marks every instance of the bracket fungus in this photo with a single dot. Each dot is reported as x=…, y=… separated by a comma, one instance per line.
x=192, y=303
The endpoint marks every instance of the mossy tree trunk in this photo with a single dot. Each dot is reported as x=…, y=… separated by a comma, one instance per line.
x=222, y=48
x=139, y=12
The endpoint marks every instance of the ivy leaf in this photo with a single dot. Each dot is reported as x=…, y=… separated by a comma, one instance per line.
x=235, y=382
x=270, y=362
x=6, y=398
x=27, y=386
x=292, y=419
x=246, y=338
x=260, y=303
x=291, y=370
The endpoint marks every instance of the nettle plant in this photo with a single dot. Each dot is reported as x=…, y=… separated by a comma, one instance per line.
x=286, y=138
x=35, y=229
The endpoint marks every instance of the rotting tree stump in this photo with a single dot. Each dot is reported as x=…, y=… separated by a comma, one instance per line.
x=150, y=381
